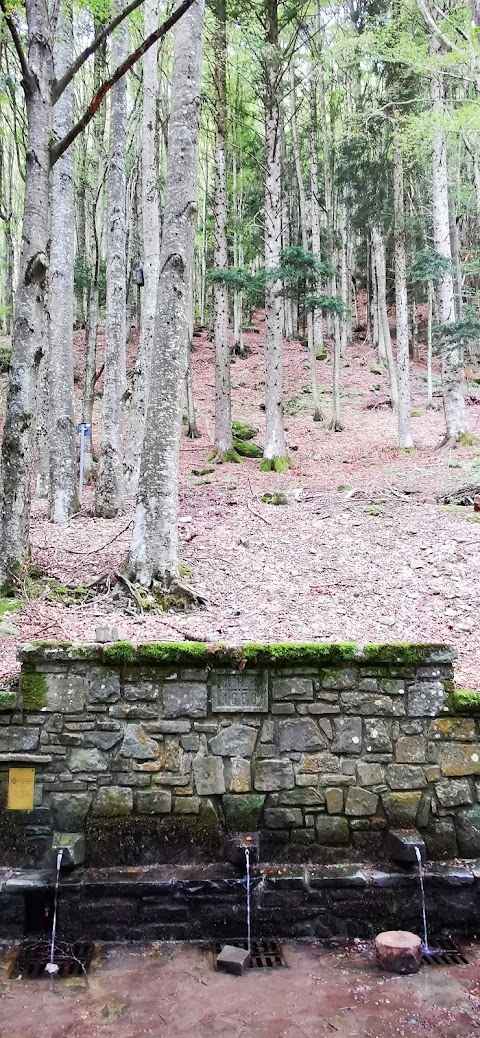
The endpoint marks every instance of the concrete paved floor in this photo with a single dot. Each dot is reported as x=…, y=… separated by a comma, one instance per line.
x=172, y=991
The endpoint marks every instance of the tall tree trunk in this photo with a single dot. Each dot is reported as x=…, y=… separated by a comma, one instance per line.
x=109, y=489
x=28, y=323
x=42, y=417
x=405, y=438
x=238, y=260
x=63, y=498
x=154, y=547
x=344, y=276
x=378, y=254
x=429, y=345
x=223, y=401
x=315, y=210
x=151, y=252
x=455, y=247
x=317, y=410
x=452, y=355
x=275, y=450
x=93, y=305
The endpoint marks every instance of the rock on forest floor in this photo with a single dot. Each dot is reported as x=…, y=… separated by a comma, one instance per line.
x=361, y=551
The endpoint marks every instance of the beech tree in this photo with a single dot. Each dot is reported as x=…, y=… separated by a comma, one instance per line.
x=109, y=487
x=154, y=546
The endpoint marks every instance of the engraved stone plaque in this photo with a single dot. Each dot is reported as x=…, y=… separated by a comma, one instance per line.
x=239, y=693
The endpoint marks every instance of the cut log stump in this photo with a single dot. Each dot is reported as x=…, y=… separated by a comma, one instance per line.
x=398, y=951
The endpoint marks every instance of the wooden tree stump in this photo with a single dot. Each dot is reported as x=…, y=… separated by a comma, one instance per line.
x=398, y=951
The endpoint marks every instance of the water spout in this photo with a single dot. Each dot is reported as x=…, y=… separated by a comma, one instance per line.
x=249, y=907
x=51, y=966
x=424, y=909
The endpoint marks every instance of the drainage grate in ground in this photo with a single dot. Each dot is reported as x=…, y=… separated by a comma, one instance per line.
x=73, y=960
x=444, y=951
x=263, y=954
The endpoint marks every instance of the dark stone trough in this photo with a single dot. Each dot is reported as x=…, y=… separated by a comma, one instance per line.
x=209, y=902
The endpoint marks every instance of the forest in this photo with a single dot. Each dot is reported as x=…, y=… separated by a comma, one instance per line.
x=239, y=320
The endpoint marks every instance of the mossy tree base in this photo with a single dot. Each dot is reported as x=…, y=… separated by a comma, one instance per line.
x=219, y=457
x=276, y=464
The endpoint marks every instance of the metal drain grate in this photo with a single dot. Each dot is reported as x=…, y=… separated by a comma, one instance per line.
x=263, y=954
x=444, y=951
x=73, y=960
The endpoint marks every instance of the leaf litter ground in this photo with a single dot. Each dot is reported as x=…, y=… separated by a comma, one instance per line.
x=361, y=551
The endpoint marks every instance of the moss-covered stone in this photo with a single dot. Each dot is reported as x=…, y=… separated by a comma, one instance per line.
x=243, y=811
x=462, y=700
x=8, y=699
x=33, y=689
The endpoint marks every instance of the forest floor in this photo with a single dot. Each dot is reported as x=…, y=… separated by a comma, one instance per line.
x=361, y=551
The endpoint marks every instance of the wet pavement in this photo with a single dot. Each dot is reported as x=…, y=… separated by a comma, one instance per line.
x=172, y=991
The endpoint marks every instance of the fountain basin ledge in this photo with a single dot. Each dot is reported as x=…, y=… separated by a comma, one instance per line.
x=156, y=752
x=207, y=902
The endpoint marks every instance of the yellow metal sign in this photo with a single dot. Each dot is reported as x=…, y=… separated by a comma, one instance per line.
x=21, y=782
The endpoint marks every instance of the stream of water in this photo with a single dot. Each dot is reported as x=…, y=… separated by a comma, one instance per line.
x=51, y=966
x=422, y=890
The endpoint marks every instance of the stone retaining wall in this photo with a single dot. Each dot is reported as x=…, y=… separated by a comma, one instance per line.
x=157, y=751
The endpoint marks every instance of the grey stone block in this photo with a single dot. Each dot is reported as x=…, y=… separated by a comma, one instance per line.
x=360, y=802
x=87, y=760
x=153, y=802
x=377, y=736
x=405, y=776
x=65, y=693
x=273, y=774
x=293, y=688
x=233, y=960
x=70, y=810
x=344, y=677
x=426, y=698
x=347, y=734
x=454, y=792
x=401, y=844
x=72, y=846
x=468, y=830
x=334, y=801
x=411, y=749
x=332, y=831
x=103, y=685
x=283, y=817
x=236, y=740
x=300, y=736
x=209, y=777
x=370, y=774
x=137, y=744
x=185, y=699
x=15, y=739
x=102, y=740
x=113, y=802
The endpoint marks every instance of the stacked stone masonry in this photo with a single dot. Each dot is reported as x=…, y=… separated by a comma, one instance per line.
x=320, y=750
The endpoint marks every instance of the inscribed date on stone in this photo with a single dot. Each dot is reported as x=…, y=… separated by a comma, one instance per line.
x=239, y=693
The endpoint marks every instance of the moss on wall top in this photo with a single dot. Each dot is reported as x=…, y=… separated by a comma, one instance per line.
x=274, y=654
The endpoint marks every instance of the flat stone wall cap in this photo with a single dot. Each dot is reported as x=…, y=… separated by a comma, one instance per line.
x=278, y=655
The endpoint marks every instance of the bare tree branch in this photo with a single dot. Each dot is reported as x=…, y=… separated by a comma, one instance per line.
x=17, y=44
x=432, y=25
x=60, y=85
x=60, y=147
